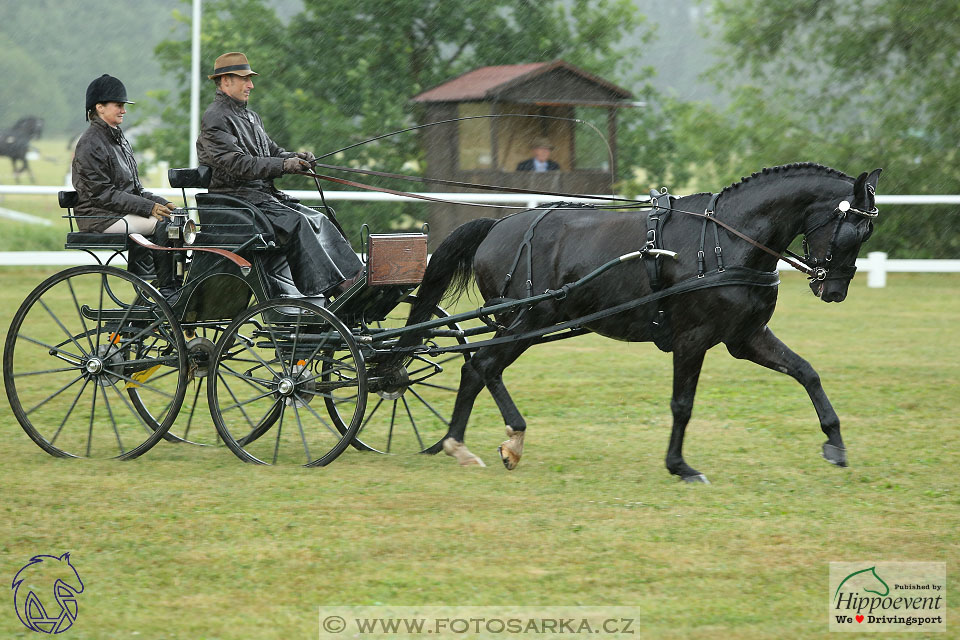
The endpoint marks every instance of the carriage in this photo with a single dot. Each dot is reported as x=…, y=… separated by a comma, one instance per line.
x=379, y=369
x=99, y=364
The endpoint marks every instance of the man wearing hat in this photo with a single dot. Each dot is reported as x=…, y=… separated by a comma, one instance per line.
x=540, y=161
x=245, y=161
x=110, y=196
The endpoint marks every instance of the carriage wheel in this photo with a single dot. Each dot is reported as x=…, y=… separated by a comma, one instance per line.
x=273, y=366
x=78, y=345
x=193, y=424
x=410, y=406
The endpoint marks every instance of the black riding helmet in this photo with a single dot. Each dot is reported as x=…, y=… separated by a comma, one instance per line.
x=106, y=88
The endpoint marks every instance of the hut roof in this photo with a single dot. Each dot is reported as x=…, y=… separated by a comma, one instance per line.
x=486, y=83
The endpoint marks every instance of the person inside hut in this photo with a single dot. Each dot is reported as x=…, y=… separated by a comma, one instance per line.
x=540, y=162
x=110, y=197
x=245, y=162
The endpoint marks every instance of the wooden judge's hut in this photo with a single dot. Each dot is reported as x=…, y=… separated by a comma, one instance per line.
x=489, y=150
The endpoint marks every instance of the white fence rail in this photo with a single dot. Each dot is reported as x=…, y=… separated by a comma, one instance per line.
x=876, y=264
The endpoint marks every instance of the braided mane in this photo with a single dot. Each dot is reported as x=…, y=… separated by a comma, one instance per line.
x=813, y=166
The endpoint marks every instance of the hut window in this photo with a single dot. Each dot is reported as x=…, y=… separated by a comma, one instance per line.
x=475, y=151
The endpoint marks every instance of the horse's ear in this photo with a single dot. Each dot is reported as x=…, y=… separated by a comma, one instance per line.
x=873, y=178
x=858, y=186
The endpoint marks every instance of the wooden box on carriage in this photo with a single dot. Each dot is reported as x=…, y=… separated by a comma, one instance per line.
x=396, y=258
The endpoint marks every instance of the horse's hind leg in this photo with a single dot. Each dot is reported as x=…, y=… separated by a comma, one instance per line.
x=491, y=367
x=767, y=350
x=510, y=449
x=471, y=384
x=485, y=368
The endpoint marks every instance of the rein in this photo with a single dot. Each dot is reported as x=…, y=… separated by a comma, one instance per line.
x=475, y=185
x=407, y=194
x=800, y=263
x=790, y=258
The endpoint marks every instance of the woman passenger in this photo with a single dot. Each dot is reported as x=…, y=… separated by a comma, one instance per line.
x=110, y=196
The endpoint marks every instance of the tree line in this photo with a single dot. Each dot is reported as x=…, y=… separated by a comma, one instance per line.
x=851, y=85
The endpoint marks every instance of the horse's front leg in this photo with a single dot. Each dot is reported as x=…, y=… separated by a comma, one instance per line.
x=767, y=350
x=686, y=373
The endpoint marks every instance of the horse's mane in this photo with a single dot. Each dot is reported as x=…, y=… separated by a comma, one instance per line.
x=785, y=168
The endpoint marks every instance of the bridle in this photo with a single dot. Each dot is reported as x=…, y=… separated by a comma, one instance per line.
x=823, y=268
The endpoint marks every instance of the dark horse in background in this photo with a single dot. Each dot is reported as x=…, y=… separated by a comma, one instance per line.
x=15, y=144
x=833, y=211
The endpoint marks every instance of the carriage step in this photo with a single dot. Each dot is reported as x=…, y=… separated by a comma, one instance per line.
x=132, y=314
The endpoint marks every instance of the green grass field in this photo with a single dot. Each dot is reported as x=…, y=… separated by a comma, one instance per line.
x=188, y=542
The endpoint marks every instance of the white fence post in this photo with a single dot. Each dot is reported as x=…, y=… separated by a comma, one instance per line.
x=876, y=269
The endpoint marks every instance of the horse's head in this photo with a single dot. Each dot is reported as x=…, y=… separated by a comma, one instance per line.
x=833, y=236
x=29, y=127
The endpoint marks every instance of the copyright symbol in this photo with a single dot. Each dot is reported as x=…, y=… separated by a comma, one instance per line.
x=334, y=624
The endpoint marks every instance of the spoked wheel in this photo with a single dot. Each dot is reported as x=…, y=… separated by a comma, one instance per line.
x=273, y=367
x=80, y=343
x=411, y=403
x=193, y=425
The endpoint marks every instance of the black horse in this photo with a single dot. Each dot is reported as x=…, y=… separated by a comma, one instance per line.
x=834, y=212
x=15, y=144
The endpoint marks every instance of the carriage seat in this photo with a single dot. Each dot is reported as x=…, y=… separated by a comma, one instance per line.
x=140, y=260
x=225, y=220
x=88, y=239
x=198, y=178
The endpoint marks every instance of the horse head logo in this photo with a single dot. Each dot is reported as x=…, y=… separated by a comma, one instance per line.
x=41, y=576
x=865, y=580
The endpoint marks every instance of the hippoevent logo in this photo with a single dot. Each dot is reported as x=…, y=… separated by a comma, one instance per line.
x=888, y=596
x=45, y=593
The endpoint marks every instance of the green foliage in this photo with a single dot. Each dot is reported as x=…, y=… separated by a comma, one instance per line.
x=342, y=71
x=53, y=49
x=27, y=85
x=851, y=85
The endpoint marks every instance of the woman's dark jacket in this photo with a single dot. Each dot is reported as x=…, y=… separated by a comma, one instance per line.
x=105, y=178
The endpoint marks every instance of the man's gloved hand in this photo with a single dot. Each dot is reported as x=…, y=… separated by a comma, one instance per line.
x=306, y=155
x=295, y=164
x=162, y=211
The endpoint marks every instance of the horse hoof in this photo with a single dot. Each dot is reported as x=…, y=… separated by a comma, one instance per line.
x=835, y=455
x=511, y=450
x=510, y=461
x=458, y=450
x=699, y=478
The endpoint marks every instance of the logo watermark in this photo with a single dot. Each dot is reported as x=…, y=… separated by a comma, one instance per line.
x=888, y=596
x=45, y=593
x=370, y=622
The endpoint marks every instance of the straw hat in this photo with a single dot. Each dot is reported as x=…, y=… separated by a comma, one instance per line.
x=235, y=63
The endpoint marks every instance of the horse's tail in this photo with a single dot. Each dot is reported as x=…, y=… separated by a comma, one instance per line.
x=450, y=268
